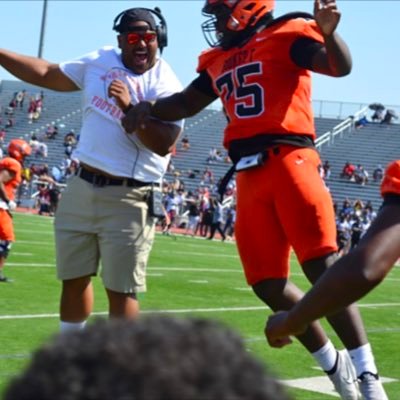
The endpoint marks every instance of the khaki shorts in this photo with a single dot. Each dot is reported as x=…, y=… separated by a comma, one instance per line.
x=110, y=224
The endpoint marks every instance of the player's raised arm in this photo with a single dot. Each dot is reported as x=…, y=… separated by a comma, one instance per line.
x=334, y=59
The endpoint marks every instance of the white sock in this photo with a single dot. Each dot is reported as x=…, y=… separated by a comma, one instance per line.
x=326, y=356
x=71, y=326
x=363, y=359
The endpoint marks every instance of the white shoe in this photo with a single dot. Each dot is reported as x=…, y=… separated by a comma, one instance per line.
x=371, y=387
x=344, y=377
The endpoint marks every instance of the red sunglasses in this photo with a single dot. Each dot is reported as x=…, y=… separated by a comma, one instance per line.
x=134, y=38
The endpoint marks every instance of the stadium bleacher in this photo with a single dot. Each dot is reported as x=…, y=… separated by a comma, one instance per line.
x=369, y=146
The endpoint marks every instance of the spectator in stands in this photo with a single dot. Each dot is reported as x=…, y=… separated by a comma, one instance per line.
x=343, y=232
x=358, y=207
x=388, y=118
x=347, y=208
x=377, y=116
x=271, y=190
x=361, y=175
x=356, y=232
x=39, y=106
x=360, y=123
x=12, y=104
x=20, y=97
x=369, y=211
x=378, y=173
x=327, y=169
x=31, y=109
x=208, y=176
x=51, y=132
x=212, y=155
x=153, y=358
x=118, y=172
x=348, y=171
x=192, y=174
x=185, y=143
x=69, y=143
x=10, y=122
x=3, y=133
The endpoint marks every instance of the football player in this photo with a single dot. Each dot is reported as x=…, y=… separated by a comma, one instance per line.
x=10, y=178
x=260, y=68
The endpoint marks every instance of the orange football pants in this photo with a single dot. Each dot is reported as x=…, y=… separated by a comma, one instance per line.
x=6, y=226
x=281, y=205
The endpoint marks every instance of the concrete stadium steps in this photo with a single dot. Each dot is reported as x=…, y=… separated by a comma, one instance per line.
x=369, y=146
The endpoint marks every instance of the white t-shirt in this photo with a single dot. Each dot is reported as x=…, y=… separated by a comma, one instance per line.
x=103, y=142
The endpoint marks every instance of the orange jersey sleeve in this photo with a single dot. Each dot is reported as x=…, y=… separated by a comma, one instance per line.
x=262, y=90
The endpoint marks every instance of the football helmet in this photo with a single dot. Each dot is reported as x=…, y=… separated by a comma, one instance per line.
x=227, y=18
x=19, y=149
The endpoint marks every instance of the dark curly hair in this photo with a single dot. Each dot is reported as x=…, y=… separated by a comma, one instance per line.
x=153, y=358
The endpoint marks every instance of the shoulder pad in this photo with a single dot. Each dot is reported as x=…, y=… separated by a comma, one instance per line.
x=291, y=15
x=206, y=57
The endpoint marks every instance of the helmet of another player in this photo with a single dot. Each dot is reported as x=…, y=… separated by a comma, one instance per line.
x=19, y=149
x=230, y=21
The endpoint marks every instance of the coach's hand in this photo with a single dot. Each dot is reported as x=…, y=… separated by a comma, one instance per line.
x=136, y=117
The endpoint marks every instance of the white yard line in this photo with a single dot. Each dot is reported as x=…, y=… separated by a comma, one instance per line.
x=186, y=310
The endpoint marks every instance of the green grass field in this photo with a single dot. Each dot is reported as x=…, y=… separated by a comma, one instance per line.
x=186, y=276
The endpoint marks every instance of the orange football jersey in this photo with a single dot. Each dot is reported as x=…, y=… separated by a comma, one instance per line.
x=263, y=91
x=12, y=165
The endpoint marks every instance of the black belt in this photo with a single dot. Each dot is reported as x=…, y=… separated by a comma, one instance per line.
x=102, y=180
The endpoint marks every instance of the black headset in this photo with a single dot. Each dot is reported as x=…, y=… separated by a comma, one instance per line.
x=161, y=28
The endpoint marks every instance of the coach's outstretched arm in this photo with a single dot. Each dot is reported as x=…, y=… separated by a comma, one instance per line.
x=36, y=71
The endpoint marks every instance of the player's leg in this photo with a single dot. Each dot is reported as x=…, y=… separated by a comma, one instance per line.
x=6, y=238
x=281, y=294
x=264, y=249
x=313, y=237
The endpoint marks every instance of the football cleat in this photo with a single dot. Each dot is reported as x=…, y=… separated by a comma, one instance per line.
x=371, y=387
x=344, y=377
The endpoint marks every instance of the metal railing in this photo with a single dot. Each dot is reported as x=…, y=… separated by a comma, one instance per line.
x=342, y=128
